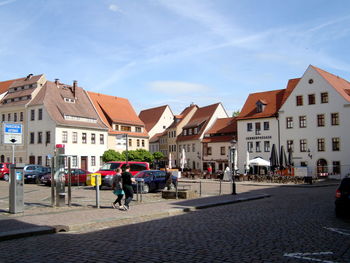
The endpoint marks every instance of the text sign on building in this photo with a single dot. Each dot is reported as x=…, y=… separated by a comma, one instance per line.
x=120, y=142
x=13, y=133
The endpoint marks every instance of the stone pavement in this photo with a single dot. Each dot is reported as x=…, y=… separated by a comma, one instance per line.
x=77, y=219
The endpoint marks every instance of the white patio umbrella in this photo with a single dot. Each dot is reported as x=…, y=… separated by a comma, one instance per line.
x=169, y=165
x=183, y=159
x=247, y=163
x=235, y=167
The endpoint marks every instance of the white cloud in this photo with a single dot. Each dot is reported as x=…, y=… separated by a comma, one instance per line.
x=177, y=87
x=114, y=8
x=6, y=2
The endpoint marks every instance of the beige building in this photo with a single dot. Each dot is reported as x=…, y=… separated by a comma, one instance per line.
x=123, y=123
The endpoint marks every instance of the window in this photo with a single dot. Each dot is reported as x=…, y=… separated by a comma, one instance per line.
x=65, y=136
x=324, y=97
x=336, y=167
x=209, y=151
x=257, y=147
x=93, y=138
x=138, y=129
x=320, y=145
x=102, y=139
x=289, y=122
x=40, y=114
x=125, y=128
x=290, y=145
x=40, y=160
x=266, y=125
x=188, y=147
x=170, y=148
x=130, y=142
x=222, y=150
x=3, y=117
x=75, y=137
x=169, y=134
x=335, y=118
x=21, y=116
x=93, y=160
x=299, y=100
x=250, y=147
x=40, y=137
x=32, y=137
x=143, y=143
x=257, y=128
x=138, y=142
x=195, y=131
x=303, y=145
x=249, y=126
x=320, y=120
x=83, y=137
x=311, y=99
x=266, y=146
x=189, y=131
x=48, y=137
x=193, y=147
x=302, y=121
x=9, y=117
x=32, y=115
x=15, y=117
x=47, y=161
x=336, y=144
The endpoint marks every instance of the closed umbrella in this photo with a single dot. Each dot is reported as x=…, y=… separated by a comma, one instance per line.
x=183, y=159
x=274, y=158
x=283, y=159
x=169, y=165
x=290, y=157
x=247, y=163
x=235, y=159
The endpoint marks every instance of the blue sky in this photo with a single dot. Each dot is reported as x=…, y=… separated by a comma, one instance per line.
x=157, y=52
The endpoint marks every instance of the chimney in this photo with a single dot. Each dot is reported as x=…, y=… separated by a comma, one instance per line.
x=57, y=81
x=29, y=76
x=75, y=85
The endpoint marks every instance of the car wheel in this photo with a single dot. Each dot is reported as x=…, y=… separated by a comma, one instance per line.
x=6, y=177
x=145, y=189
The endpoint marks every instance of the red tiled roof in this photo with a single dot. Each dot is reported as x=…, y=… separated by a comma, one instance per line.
x=224, y=126
x=150, y=117
x=341, y=85
x=25, y=81
x=114, y=109
x=200, y=117
x=226, y=138
x=4, y=85
x=273, y=100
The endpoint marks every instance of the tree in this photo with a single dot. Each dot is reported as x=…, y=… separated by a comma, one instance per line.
x=158, y=155
x=111, y=155
x=236, y=113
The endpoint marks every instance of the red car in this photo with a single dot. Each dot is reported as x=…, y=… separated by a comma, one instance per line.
x=5, y=171
x=78, y=177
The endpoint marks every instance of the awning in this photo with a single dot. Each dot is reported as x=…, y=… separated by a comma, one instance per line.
x=259, y=162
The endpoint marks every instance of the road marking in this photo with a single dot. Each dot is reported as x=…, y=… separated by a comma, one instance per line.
x=305, y=256
x=345, y=232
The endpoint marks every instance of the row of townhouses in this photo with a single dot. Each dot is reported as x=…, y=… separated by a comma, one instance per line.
x=54, y=113
x=308, y=117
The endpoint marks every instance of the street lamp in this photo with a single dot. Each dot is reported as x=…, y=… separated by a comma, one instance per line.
x=232, y=161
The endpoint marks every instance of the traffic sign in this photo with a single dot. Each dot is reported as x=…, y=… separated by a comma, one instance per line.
x=13, y=133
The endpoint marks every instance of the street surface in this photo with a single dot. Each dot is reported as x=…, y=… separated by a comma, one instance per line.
x=296, y=224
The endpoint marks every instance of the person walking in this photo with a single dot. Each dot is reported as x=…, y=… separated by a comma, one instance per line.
x=127, y=180
x=118, y=189
x=210, y=170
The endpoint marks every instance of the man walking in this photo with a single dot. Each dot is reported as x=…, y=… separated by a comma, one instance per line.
x=127, y=180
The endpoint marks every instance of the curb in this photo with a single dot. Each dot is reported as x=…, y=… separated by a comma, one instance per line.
x=43, y=230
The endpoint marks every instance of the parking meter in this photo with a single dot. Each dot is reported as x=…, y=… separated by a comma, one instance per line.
x=16, y=201
x=59, y=177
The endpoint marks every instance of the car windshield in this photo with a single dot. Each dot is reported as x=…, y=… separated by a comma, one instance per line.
x=1, y=165
x=110, y=166
x=142, y=175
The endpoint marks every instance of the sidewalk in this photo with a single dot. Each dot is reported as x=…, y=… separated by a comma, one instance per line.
x=77, y=219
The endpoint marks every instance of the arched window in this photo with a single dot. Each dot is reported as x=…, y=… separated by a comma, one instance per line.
x=322, y=167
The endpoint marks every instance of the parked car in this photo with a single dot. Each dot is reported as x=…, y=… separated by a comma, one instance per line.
x=78, y=177
x=153, y=180
x=33, y=172
x=342, y=198
x=107, y=171
x=5, y=171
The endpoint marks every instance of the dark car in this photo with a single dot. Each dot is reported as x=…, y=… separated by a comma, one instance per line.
x=33, y=173
x=78, y=177
x=342, y=198
x=5, y=171
x=153, y=180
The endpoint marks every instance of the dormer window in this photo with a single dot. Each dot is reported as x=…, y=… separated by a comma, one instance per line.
x=189, y=131
x=185, y=132
x=260, y=106
x=195, y=130
x=69, y=100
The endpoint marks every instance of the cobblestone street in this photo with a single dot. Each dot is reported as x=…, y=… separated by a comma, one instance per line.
x=294, y=225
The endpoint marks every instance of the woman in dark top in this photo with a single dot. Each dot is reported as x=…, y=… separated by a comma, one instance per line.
x=117, y=189
x=127, y=186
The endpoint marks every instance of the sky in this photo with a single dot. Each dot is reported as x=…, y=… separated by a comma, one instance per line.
x=174, y=52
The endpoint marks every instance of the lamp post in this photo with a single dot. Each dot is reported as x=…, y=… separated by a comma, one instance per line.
x=232, y=163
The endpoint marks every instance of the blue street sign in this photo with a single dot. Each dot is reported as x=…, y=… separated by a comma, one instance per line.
x=13, y=128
